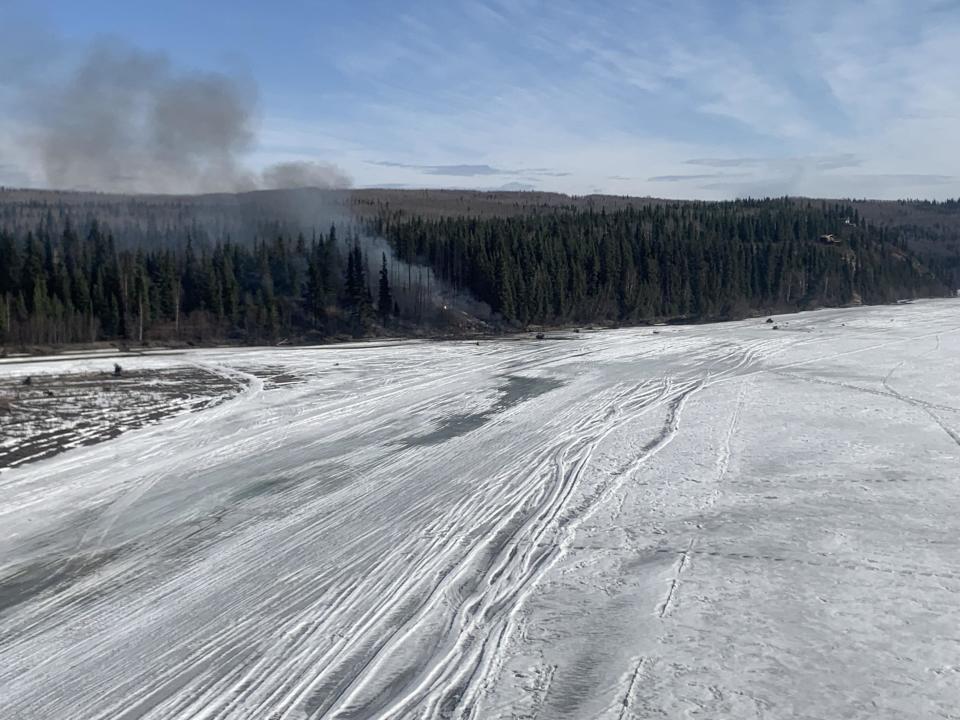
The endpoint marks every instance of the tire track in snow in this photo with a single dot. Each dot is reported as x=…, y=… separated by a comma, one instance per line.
x=868, y=391
x=625, y=709
x=918, y=404
x=347, y=607
x=517, y=563
x=743, y=357
x=195, y=688
x=722, y=466
x=667, y=603
x=669, y=431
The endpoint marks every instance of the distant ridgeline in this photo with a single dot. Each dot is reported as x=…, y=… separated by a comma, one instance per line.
x=65, y=278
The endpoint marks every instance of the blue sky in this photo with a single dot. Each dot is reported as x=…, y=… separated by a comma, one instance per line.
x=683, y=99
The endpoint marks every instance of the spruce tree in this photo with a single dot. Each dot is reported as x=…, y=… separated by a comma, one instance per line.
x=384, y=299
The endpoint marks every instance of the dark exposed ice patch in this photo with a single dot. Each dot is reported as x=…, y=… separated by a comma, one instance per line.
x=265, y=486
x=34, y=580
x=516, y=390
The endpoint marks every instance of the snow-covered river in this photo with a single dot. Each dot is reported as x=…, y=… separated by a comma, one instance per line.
x=719, y=521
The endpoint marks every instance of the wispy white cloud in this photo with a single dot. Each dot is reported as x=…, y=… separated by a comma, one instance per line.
x=689, y=178
x=635, y=93
x=464, y=170
x=823, y=162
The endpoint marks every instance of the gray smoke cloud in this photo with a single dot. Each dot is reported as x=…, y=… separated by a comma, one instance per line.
x=127, y=120
x=305, y=174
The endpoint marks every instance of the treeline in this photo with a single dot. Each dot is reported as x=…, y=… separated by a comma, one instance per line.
x=695, y=261
x=681, y=260
x=79, y=288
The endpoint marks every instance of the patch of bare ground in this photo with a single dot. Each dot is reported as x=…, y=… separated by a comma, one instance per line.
x=53, y=413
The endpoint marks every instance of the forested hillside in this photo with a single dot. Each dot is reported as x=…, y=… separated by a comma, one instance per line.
x=176, y=269
x=930, y=229
x=681, y=260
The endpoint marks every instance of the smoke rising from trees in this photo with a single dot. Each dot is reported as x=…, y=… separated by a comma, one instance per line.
x=126, y=120
x=417, y=289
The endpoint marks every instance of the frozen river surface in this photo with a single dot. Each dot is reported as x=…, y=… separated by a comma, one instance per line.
x=723, y=521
